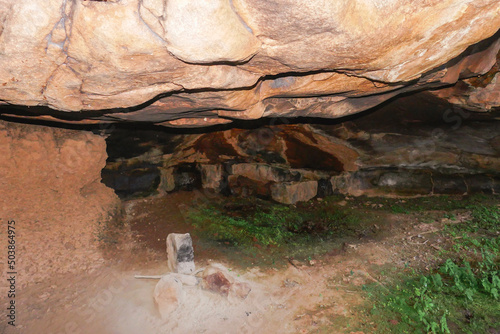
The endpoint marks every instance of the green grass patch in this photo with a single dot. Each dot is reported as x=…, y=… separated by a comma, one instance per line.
x=461, y=295
x=264, y=229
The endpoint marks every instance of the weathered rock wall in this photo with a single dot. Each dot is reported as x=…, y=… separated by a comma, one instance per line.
x=50, y=186
x=419, y=145
x=480, y=93
x=416, y=145
x=244, y=162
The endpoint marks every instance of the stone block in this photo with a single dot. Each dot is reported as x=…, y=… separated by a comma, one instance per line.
x=293, y=192
x=180, y=253
x=243, y=186
x=212, y=177
x=167, y=182
x=264, y=172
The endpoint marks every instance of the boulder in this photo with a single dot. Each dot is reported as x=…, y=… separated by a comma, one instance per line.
x=168, y=295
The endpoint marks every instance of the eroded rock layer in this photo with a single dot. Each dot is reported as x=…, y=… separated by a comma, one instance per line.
x=201, y=63
x=416, y=145
x=50, y=186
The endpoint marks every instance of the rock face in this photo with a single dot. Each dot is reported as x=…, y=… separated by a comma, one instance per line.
x=426, y=147
x=50, y=185
x=267, y=161
x=200, y=63
x=415, y=145
x=479, y=93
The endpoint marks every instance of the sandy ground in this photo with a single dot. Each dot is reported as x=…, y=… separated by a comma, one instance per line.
x=302, y=298
x=111, y=300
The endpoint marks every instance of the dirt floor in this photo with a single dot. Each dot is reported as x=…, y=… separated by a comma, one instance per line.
x=317, y=295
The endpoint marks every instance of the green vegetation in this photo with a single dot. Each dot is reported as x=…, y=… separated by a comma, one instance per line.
x=462, y=295
x=266, y=229
x=456, y=289
x=270, y=224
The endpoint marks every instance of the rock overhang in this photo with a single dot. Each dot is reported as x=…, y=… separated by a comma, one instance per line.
x=204, y=63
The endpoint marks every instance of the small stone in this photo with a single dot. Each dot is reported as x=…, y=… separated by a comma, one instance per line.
x=168, y=295
x=217, y=279
x=180, y=253
x=44, y=296
x=217, y=282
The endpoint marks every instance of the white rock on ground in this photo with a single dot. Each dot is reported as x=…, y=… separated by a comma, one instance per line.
x=180, y=253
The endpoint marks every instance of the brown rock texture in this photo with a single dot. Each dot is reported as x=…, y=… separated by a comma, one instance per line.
x=293, y=192
x=415, y=145
x=216, y=278
x=293, y=145
x=200, y=63
x=217, y=282
x=50, y=186
x=481, y=93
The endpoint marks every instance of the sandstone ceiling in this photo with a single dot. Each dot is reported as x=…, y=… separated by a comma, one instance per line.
x=199, y=62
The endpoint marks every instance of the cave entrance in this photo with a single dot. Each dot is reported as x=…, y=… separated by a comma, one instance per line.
x=413, y=145
x=261, y=160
